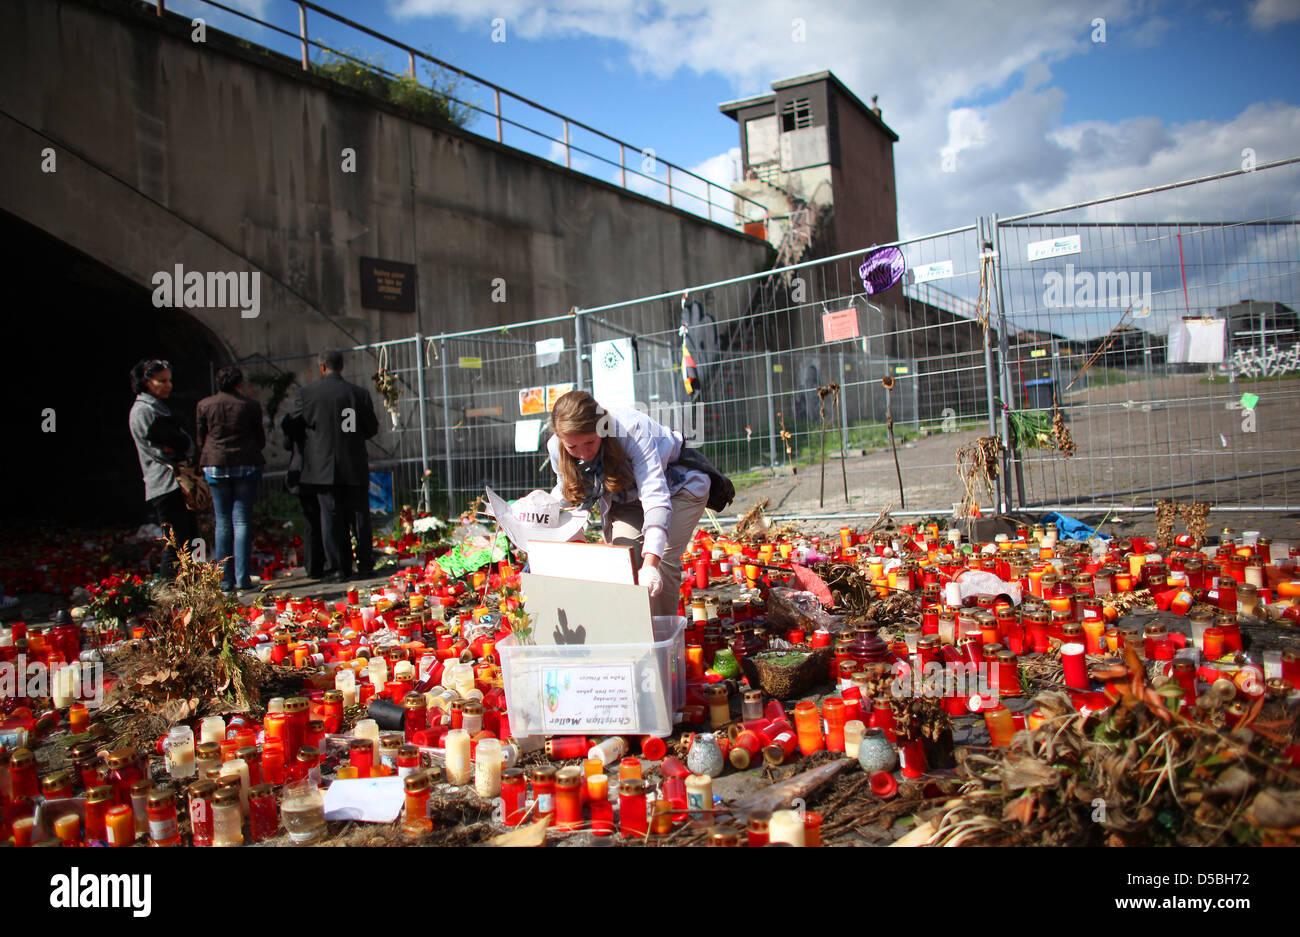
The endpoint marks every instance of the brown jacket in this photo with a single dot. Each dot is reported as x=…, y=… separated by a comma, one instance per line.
x=230, y=431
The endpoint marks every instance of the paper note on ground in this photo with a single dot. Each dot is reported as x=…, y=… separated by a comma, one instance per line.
x=370, y=800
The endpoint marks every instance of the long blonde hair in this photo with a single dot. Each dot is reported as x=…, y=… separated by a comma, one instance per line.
x=578, y=413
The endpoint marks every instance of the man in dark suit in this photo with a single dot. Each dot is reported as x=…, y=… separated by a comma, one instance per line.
x=335, y=419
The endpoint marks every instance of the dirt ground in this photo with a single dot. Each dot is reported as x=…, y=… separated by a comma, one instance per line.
x=1171, y=437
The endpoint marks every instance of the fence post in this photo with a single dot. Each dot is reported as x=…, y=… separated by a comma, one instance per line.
x=424, y=429
x=302, y=32
x=771, y=411
x=988, y=373
x=1010, y=458
x=915, y=373
x=578, y=383
x=446, y=430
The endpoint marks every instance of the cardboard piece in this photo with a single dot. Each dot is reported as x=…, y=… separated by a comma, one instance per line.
x=598, y=562
x=575, y=611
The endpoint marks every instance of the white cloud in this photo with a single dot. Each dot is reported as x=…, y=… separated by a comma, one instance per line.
x=1265, y=14
x=929, y=62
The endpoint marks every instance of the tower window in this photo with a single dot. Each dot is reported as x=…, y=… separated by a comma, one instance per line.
x=795, y=115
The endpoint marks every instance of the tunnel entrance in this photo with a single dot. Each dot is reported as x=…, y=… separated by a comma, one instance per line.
x=74, y=329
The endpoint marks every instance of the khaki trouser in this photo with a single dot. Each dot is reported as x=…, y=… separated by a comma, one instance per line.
x=625, y=530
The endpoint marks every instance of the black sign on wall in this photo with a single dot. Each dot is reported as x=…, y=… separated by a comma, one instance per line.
x=387, y=285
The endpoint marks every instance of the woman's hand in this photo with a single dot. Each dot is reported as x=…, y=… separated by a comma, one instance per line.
x=650, y=577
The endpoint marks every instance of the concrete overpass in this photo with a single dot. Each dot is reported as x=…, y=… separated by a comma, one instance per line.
x=130, y=149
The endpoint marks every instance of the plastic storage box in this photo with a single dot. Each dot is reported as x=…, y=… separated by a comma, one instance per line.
x=597, y=689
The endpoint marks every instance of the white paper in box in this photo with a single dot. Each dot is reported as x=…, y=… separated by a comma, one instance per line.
x=597, y=689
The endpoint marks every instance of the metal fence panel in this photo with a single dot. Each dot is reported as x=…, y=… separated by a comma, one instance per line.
x=1147, y=423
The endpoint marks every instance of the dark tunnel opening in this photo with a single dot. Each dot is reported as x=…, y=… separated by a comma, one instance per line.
x=74, y=329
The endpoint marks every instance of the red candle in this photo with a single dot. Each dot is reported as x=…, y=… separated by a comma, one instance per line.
x=1076, y=667
x=631, y=808
x=833, y=712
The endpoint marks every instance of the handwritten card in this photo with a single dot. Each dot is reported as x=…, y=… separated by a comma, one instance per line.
x=591, y=699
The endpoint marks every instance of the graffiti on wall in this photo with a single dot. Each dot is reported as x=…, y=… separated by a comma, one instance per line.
x=1251, y=362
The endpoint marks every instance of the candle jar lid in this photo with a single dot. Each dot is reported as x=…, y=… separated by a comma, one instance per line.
x=417, y=783
x=414, y=700
x=1006, y=655
x=141, y=787
x=715, y=691
x=56, y=779
x=295, y=704
x=121, y=757
x=99, y=794
x=544, y=773
x=203, y=789
x=308, y=753
x=227, y=795
x=724, y=837
x=391, y=739
x=161, y=796
x=408, y=751
x=1154, y=629
x=512, y=774
x=569, y=776
x=473, y=707
x=208, y=750
x=1247, y=590
x=632, y=787
x=334, y=696
x=248, y=753
x=262, y=790
x=759, y=820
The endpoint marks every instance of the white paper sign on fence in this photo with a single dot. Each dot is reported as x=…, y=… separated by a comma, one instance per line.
x=612, y=370
x=592, y=698
x=527, y=435
x=1056, y=247
x=549, y=351
x=935, y=271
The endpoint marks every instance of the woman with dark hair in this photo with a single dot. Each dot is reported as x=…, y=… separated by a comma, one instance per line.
x=161, y=442
x=637, y=471
x=231, y=437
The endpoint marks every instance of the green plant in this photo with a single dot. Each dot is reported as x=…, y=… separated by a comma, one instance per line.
x=435, y=101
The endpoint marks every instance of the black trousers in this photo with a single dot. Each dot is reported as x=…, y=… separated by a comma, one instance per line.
x=344, y=513
x=313, y=552
x=172, y=513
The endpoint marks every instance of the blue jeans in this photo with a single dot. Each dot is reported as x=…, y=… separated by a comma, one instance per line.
x=234, y=489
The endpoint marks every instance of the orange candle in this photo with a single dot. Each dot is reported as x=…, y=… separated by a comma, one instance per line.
x=808, y=726
x=1000, y=724
x=120, y=824
x=1092, y=632
x=1036, y=581
x=597, y=787
x=78, y=718
x=68, y=828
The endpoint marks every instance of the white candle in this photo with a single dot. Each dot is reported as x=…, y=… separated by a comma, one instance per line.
x=465, y=680
x=786, y=826
x=64, y=686
x=457, y=759
x=239, y=768
x=854, y=729
x=377, y=671
x=275, y=704
x=404, y=670
x=178, y=748
x=213, y=729
x=487, y=768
